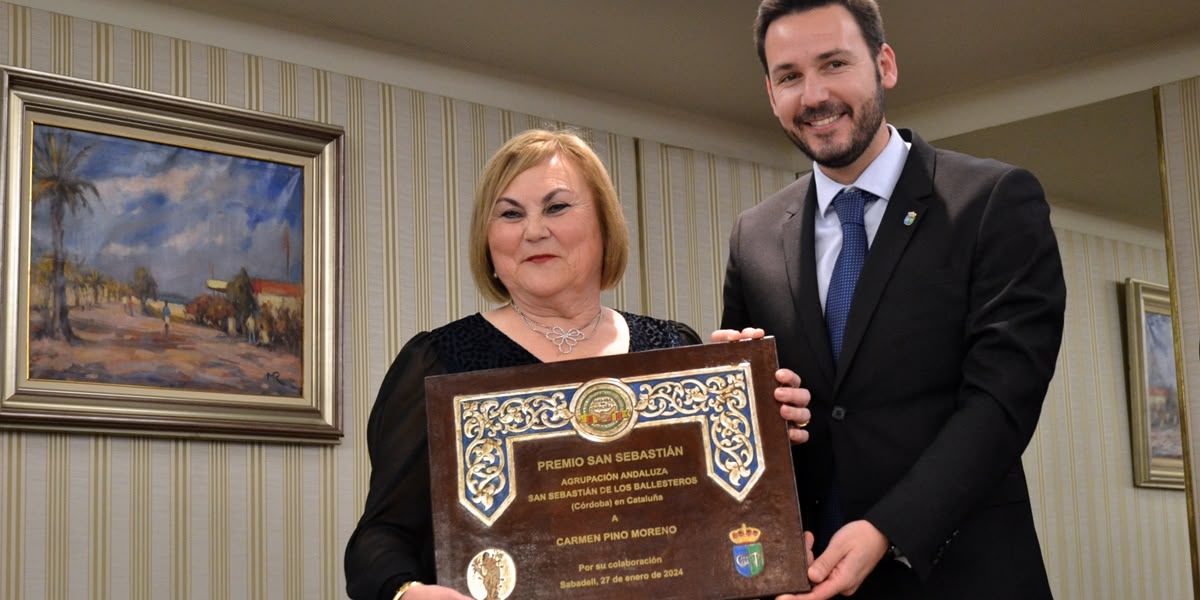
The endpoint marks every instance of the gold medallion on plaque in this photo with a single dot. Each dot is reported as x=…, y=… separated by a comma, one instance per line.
x=603, y=410
x=491, y=575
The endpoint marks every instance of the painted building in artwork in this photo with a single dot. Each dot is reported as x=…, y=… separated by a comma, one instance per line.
x=278, y=294
x=274, y=298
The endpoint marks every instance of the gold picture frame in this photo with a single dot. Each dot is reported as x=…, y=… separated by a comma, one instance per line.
x=1154, y=414
x=171, y=267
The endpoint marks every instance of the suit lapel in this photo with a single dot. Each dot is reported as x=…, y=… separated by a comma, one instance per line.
x=800, y=259
x=904, y=214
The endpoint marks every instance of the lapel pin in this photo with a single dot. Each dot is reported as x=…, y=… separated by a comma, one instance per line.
x=910, y=218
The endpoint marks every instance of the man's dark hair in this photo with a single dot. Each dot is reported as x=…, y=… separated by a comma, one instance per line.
x=865, y=12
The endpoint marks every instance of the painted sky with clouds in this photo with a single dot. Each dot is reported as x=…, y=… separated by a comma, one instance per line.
x=1160, y=347
x=185, y=214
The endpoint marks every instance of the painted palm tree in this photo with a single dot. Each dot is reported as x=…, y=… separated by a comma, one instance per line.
x=57, y=180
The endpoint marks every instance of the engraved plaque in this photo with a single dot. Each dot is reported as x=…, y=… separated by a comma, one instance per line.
x=660, y=474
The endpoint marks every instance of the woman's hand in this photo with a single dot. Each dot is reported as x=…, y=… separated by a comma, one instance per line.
x=433, y=592
x=733, y=335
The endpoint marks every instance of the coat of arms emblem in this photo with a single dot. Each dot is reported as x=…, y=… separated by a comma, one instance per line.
x=747, y=552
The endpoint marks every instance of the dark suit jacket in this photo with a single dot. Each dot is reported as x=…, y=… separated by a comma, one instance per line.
x=951, y=342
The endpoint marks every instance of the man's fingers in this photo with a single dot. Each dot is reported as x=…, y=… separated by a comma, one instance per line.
x=796, y=416
x=798, y=436
x=819, y=569
x=787, y=377
x=795, y=396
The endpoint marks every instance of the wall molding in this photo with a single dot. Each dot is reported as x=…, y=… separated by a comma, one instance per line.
x=1059, y=88
x=1081, y=222
x=248, y=31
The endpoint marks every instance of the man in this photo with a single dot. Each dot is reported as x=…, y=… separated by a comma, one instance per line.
x=924, y=316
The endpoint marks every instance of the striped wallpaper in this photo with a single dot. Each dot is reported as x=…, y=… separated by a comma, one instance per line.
x=1101, y=537
x=88, y=516
x=689, y=202
x=1179, y=109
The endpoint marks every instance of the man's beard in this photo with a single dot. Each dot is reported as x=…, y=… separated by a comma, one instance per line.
x=865, y=126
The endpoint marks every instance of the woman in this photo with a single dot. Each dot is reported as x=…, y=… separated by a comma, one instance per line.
x=547, y=236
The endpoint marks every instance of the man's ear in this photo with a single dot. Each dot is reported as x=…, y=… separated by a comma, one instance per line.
x=889, y=71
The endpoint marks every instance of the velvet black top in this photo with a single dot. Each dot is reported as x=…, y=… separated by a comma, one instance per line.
x=393, y=542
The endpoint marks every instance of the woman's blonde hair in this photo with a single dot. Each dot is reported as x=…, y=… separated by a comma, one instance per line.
x=521, y=153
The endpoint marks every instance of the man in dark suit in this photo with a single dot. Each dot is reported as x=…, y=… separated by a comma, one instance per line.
x=928, y=356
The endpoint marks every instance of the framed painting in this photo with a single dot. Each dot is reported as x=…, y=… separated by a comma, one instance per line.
x=1154, y=415
x=171, y=267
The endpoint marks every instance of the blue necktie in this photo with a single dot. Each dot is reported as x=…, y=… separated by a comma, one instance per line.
x=849, y=205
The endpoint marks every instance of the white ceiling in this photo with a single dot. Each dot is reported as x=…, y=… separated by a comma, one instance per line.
x=697, y=56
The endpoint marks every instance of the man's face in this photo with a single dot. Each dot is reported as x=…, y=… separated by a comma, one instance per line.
x=825, y=87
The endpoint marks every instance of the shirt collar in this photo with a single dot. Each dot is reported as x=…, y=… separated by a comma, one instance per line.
x=879, y=178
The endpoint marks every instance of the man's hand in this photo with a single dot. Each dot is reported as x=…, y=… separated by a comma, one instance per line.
x=793, y=399
x=852, y=554
x=793, y=404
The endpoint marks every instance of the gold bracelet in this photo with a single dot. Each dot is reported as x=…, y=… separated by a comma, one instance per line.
x=404, y=588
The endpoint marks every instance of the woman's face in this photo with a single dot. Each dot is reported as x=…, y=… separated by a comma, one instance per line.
x=544, y=233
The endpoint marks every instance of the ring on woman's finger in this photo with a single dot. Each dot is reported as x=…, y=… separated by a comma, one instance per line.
x=801, y=425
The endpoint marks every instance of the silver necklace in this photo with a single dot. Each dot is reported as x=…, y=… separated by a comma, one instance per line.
x=564, y=339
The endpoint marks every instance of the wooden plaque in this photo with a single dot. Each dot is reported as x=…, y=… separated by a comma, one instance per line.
x=660, y=474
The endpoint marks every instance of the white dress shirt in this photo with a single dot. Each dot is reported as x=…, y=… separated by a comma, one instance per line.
x=880, y=179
